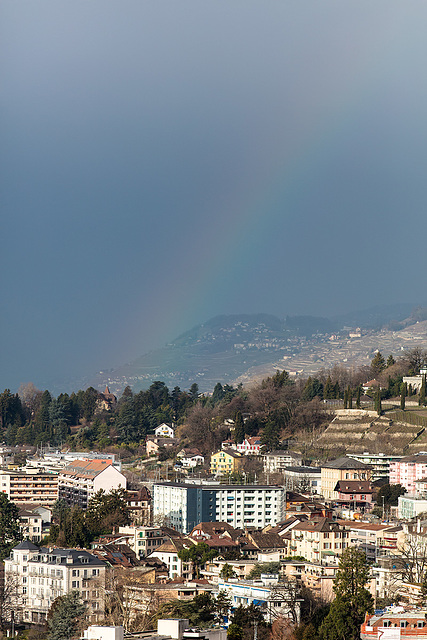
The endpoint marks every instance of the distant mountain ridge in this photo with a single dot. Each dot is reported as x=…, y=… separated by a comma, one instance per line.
x=240, y=347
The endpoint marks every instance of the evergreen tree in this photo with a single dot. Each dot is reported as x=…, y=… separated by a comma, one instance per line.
x=218, y=393
x=352, y=599
x=65, y=617
x=345, y=399
x=328, y=389
x=403, y=396
x=422, y=396
x=10, y=530
x=337, y=390
x=390, y=361
x=239, y=428
x=358, y=394
x=350, y=398
x=377, y=364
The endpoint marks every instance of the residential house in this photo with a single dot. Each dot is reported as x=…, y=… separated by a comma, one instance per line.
x=106, y=401
x=144, y=540
x=168, y=553
x=251, y=446
x=164, y=431
x=154, y=443
x=139, y=506
x=190, y=458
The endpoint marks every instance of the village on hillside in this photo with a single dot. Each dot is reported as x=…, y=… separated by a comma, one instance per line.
x=253, y=534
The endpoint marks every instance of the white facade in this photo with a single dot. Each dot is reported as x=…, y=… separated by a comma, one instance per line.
x=164, y=431
x=42, y=575
x=80, y=480
x=186, y=505
x=265, y=593
x=103, y=633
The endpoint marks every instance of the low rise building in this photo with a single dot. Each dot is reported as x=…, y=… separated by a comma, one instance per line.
x=143, y=540
x=277, y=461
x=274, y=599
x=225, y=462
x=343, y=468
x=379, y=463
x=395, y=623
x=318, y=540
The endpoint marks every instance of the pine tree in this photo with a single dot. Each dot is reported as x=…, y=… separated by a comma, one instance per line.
x=403, y=396
x=378, y=402
x=352, y=599
x=390, y=361
x=377, y=364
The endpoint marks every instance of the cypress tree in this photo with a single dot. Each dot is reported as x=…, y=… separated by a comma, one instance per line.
x=345, y=399
x=239, y=428
x=403, y=396
x=350, y=398
x=379, y=404
x=358, y=394
x=422, y=396
x=337, y=390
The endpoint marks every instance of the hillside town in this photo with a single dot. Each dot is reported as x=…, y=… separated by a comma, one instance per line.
x=251, y=535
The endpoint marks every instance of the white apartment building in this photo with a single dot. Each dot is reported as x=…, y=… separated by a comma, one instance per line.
x=29, y=486
x=81, y=479
x=41, y=575
x=277, y=461
x=143, y=540
x=266, y=593
x=183, y=506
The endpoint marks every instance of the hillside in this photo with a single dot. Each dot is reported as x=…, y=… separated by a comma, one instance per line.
x=244, y=348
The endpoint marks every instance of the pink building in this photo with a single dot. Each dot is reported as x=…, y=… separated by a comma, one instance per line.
x=408, y=470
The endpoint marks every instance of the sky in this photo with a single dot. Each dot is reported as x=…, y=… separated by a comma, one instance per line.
x=165, y=162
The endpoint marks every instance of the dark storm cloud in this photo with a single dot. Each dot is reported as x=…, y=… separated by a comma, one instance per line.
x=164, y=162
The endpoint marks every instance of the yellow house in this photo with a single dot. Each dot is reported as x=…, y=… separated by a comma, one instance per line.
x=225, y=462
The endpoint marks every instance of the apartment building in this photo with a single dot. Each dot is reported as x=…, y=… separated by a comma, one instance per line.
x=277, y=461
x=267, y=593
x=183, y=506
x=143, y=540
x=40, y=575
x=408, y=470
x=168, y=553
x=379, y=463
x=343, y=468
x=30, y=486
x=318, y=540
x=225, y=462
x=81, y=479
